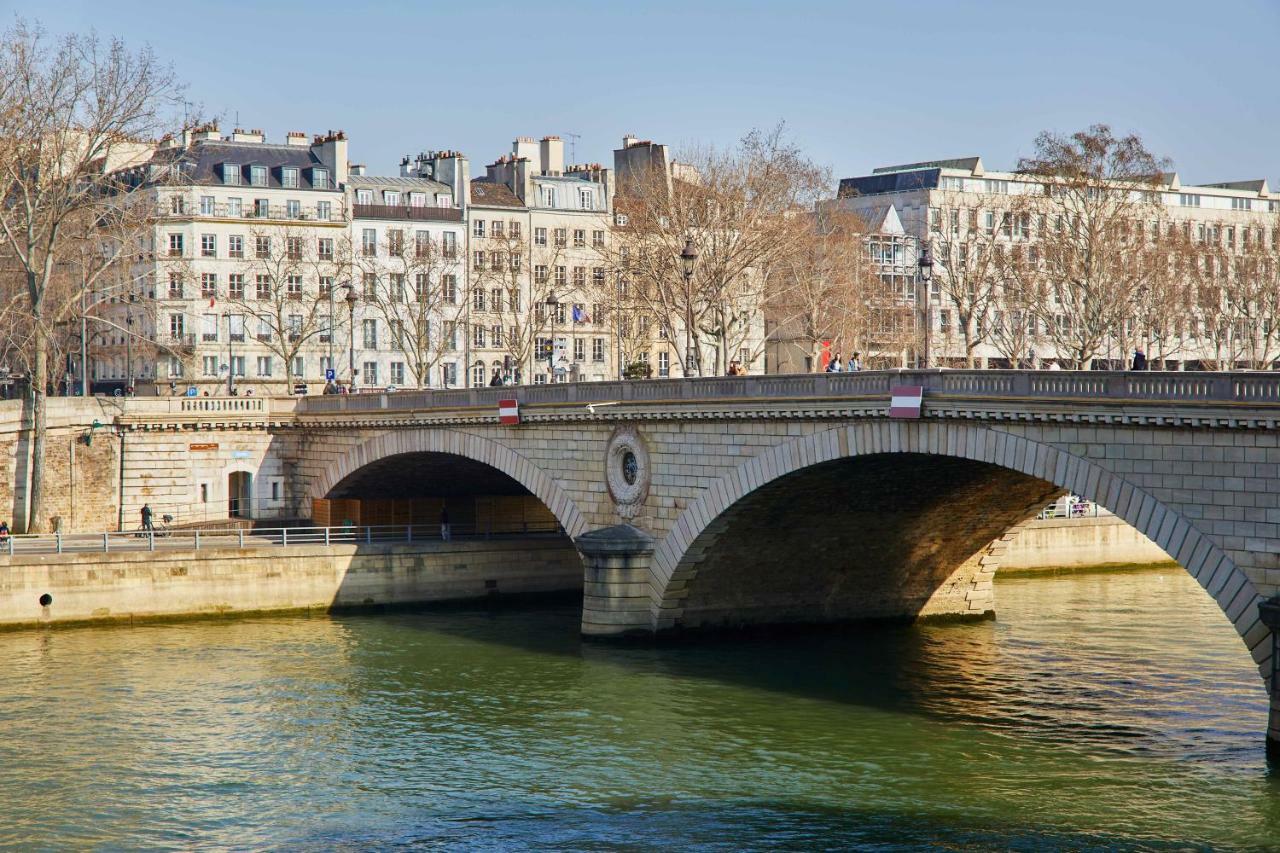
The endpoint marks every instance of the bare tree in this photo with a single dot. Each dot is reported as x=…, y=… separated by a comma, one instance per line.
x=744, y=210
x=71, y=111
x=969, y=265
x=1097, y=190
x=414, y=292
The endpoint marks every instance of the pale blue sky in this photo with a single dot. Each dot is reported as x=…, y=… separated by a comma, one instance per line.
x=859, y=84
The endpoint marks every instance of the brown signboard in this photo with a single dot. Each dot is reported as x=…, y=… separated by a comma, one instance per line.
x=211, y=446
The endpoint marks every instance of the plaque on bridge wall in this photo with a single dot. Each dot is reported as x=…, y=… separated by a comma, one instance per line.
x=206, y=446
x=626, y=471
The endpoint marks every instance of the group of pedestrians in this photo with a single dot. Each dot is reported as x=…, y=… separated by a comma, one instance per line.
x=838, y=365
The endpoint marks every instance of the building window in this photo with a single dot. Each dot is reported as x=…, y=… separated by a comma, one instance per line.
x=370, y=286
x=209, y=365
x=579, y=238
x=579, y=349
x=293, y=248
x=495, y=336
x=449, y=374
x=230, y=174
x=449, y=289
x=477, y=299
x=293, y=209
x=562, y=237
x=369, y=332
x=597, y=239
x=299, y=366
x=262, y=247
x=514, y=229
x=369, y=243
x=324, y=211
x=579, y=276
x=496, y=229
x=289, y=177
x=324, y=248
x=293, y=286
x=206, y=205
x=449, y=244
x=262, y=286
x=261, y=208
x=209, y=285
x=477, y=375
x=664, y=363
x=1188, y=199
x=597, y=349
x=477, y=260
x=539, y=236
x=208, y=246
x=237, y=364
x=235, y=207
x=235, y=285
x=620, y=219
x=319, y=178
x=477, y=228
x=175, y=367
x=177, y=326
x=1241, y=204
x=209, y=328
x=175, y=285
x=264, y=365
x=586, y=199
x=397, y=373
x=495, y=299
x=235, y=330
x=562, y=276
x=477, y=336
x=258, y=176
x=548, y=196
x=175, y=245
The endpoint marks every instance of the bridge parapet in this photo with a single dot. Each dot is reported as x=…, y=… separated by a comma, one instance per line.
x=1239, y=399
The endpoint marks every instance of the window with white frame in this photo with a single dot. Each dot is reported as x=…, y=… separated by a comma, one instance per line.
x=319, y=178
x=371, y=373
x=539, y=236
x=209, y=365
x=364, y=196
x=597, y=349
x=397, y=373
x=369, y=333
x=324, y=211
x=206, y=205
x=235, y=207
x=1189, y=199
x=208, y=246
x=264, y=365
x=586, y=199
x=477, y=228
x=293, y=209
x=547, y=196
x=231, y=174
x=664, y=363
x=289, y=177
x=258, y=176
x=299, y=366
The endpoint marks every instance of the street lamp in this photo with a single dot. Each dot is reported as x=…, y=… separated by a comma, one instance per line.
x=925, y=262
x=687, y=259
x=553, y=305
x=231, y=360
x=346, y=284
x=352, y=299
x=128, y=350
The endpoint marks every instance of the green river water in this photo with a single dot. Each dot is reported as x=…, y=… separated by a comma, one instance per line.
x=1100, y=711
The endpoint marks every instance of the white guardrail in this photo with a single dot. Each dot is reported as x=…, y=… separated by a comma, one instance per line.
x=195, y=539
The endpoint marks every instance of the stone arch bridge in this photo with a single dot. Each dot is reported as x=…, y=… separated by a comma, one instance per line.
x=709, y=503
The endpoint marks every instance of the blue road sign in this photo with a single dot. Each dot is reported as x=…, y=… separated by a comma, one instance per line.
x=330, y=375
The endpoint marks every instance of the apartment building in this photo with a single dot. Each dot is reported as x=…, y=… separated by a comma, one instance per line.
x=230, y=288
x=408, y=239
x=535, y=293
x=946, y=204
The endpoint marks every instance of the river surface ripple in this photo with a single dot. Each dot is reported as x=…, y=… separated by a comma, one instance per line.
x=1100, y=711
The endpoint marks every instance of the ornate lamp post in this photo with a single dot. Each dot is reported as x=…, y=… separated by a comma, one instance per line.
x=553, y=305
x=351, y=299
x=925, y=263
x=688, y=258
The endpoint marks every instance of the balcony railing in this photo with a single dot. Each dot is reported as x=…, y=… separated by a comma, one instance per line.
x=282, y=212
x=407, y=211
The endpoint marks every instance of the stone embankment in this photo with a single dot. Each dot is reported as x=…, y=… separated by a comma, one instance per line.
x=1079, y=543
x=130, y=586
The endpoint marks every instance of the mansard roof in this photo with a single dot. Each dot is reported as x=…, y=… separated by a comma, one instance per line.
x=493, y=194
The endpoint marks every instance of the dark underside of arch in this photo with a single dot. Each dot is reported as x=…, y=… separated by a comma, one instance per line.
x=892, y=536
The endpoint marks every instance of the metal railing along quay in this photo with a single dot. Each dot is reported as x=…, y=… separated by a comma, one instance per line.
x=195, y=539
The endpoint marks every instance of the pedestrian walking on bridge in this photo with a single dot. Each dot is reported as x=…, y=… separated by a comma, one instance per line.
x=147, y=518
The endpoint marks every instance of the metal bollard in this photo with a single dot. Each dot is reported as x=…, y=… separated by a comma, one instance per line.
x=326, y=536
x=240, y=531
x=106, y=542
x=197, y=538
x=151, y=540
x=284, y=536
x=57, y=541
x=368, y=535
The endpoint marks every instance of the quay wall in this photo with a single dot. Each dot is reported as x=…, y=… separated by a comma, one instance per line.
x=1056, y=543
x=137, y=585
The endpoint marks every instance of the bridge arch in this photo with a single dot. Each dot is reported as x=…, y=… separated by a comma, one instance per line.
x=465, y=445
x=726, y=507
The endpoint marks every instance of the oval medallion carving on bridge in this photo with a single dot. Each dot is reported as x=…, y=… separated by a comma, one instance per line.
x=626, y=471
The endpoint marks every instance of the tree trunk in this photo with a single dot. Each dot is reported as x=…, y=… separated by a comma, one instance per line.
x=39, y=423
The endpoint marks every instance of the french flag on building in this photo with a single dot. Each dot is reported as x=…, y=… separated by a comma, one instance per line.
x=509, y=412
x=906, y=401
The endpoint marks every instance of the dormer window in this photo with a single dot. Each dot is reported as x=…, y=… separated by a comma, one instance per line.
x=548, y=196
x=289, y=177
x=364, y=196
x=586, y=199
x=391, y=198
x=417, y=199
x=320, y=179
x=231, y=174
x=258, y=176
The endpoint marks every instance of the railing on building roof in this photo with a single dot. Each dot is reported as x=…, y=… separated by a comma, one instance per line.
x=415, y=212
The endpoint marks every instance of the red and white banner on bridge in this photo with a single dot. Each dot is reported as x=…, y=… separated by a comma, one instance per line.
x=906, y=401
x=509, y=412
